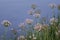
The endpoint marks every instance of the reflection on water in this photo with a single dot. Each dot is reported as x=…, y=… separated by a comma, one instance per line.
x=16, y=12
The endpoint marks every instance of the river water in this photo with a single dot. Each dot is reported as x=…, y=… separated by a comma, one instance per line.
x=16, y=10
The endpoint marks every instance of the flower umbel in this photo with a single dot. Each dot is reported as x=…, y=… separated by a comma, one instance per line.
x=52, y=5
x=21, y=37
x=36, y=15
x=33, y=6
x=6, y=23
x=22, y=25
x=29, y=21
x=38, y=27
x=53, y=20
x=30, y=12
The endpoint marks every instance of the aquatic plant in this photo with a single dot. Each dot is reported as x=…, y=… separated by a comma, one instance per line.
x=38, y=30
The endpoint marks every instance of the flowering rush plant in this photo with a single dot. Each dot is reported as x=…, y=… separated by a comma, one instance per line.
x=37, y=28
